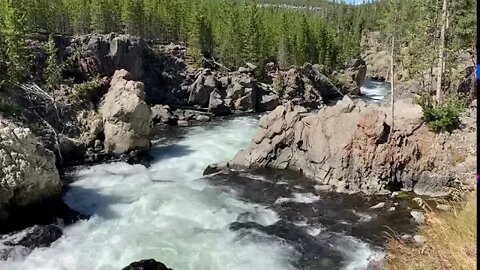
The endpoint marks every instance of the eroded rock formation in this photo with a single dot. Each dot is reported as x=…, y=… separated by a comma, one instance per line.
x=351, y=147
x=104, y=54
x=126, y=116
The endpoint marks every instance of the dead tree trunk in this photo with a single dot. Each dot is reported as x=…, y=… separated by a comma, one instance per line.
x=392, y=81
x=441, y=52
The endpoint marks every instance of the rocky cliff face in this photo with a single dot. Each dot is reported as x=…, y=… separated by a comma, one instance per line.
x=348, y=148
x=306, y=86
x=104, y=54
x=27, y=173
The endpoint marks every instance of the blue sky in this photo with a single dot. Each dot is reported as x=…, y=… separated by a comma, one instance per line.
x=354, y=1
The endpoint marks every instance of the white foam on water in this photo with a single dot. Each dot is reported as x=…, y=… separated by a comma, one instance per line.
x=162, y=212
x=314, y=231
x=300, y=198
x=256, y=177
x=167, y=213
x=358, y=254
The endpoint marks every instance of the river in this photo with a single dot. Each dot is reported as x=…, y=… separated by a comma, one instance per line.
x=375, y=91
x=241, y=220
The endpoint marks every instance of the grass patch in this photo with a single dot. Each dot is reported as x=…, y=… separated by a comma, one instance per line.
x=450, y=240
x=90, y=90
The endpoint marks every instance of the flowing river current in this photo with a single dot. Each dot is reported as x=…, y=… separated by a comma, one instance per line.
x=240, y=220
x=374, y=91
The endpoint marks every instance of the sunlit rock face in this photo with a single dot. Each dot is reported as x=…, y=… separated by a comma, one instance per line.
x=27, y=170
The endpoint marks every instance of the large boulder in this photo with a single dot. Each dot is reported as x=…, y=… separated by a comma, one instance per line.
x=28, y=173
x=126, y=116
x=201, y=89
x=352, y=77
x=104, y=54
x=267, y=99
x=242, y=92
x=349, y=147
x=163, y=115
x=217, y=103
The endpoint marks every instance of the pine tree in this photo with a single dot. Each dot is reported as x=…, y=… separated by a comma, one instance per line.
x=132, y=16
x=14, y=33
x=79, y=15
x=105, y=16
x=284, y=45
x=229, y=39
x=305, y=44
x=441, y=52
x=53, y=71
x=200, y=37
x=252, y=49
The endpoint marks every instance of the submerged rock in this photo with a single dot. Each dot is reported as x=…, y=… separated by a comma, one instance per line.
x=378, y=206
x=150, y=264
x=27, y=170
x=37, y=236
x=20, y=244
x=126, y=116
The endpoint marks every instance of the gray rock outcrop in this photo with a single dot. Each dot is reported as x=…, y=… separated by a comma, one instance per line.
x=242, y=92
x=126, y=116
x=104, y=54
x=164, y=115
x=27, y=170
x=306, y=86
x=201, y=89
x=351, y=147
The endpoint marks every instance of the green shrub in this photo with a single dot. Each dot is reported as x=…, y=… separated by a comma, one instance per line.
x=88, y=89
x=445, y=117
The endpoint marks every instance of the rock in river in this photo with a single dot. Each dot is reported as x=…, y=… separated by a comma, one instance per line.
x=150, y=264
x=126, y=116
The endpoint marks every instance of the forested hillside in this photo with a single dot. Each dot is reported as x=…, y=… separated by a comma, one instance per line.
x=235, y=32
x=232, y=32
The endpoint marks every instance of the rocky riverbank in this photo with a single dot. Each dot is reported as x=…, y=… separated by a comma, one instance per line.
x=351, y=147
